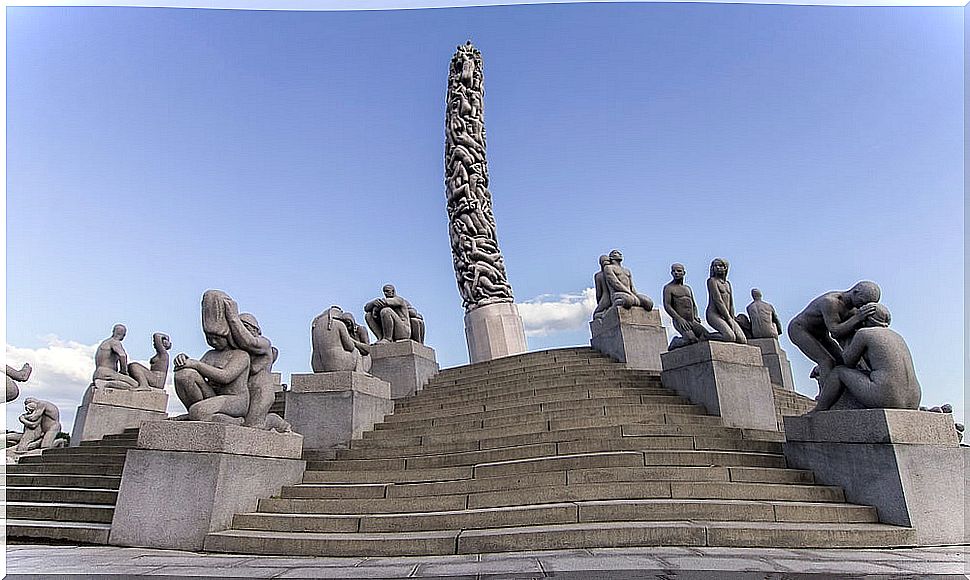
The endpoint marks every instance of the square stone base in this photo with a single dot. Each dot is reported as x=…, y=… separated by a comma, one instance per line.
x=330, y=409
x=906, y=464
x=633, y=336
x=189, y=478
x=494, y=331
x=406, y=364
x=728, y=379
x=776, y=361
x=107, y=411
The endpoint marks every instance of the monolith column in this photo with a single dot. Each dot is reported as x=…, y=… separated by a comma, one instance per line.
x=493, y=327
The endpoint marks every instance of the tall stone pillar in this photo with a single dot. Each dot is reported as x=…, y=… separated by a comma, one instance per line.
x=493, y=327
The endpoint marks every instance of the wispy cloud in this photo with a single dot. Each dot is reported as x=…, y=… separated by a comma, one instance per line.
x=551, y=313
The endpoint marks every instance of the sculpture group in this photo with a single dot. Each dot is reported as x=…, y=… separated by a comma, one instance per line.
x=41, y=420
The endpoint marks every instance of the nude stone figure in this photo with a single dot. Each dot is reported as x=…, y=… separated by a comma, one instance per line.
x=336, y=343
x=42, y=423
x=390, y=318
x=763, y=318
x=15, y=376
x=720, y=305
x=246, y=333
x=830, y=321
x=155, y=374
x=678, y=301
x=603, y=301
x=888, y=379
x=111, y=362
x=619, y=281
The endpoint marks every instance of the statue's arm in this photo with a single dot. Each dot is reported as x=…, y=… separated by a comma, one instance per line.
x=668, y=298
x=19, y=375
x=246, y=340
x=856, y=349
x=777, y=321
x=238, y=364
x=830, y=314
x=122, y=357
x=613, y=281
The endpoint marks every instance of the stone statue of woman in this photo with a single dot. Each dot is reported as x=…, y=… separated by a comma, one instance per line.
x=720, y=305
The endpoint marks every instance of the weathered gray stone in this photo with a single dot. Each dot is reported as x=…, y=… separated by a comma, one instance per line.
x=776, y=361
x=111, y=362
x=204, y=436
x=330, y=409
x=108, y=411
x=634, y=336
x=41, y=421
x=921, y=485
x=494, y=331
x=407, y=365
x=727, y=378
x=720, y=305
x=15, y=376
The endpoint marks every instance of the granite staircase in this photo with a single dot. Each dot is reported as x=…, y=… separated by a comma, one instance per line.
x=67, y=494
x=551, y=450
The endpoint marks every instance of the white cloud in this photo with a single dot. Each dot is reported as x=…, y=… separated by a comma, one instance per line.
x=551, y=313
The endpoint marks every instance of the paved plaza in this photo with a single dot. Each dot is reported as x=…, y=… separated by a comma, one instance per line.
x=607, y=563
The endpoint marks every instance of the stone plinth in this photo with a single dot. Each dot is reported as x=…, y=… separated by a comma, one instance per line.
x=906, y=464
x=188, y=478
x=728, y=379
x=633, y=336
x=493, y=331
x=107, y=411
x=776, y=361
x=330, y=409
x=406, y=364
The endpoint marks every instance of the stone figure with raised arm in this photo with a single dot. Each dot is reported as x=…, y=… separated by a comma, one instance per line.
x=338, y=343
x=247, y=335
x=154, y=375
x=829, y=322
x=619, y=281
x=15, y=376
x=886, y=381
x=388, y=316
x=720, y=305
x=678, y=301
x=111, y=362
x=42, y=423
x=763, y=318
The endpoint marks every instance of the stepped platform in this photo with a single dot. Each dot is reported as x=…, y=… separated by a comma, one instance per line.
x=67, y=494
x=557, y=449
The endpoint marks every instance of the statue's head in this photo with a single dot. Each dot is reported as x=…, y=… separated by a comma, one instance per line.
x=604, y=260
x=755, y=294
x=616, y=256
x=30, y=403
x=864, y=292
x=119, y=331
x=678, y=272
x=719, y=268
x=880, y=316
x=388, y=290
x=250, y=322
x=217, y=341
x=162, y=339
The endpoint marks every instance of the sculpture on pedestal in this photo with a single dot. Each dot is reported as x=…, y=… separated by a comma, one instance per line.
x=679, y=303
x=392, y=318
x=338, y=343
x=761, y=320
x=15, y=376
x=155, y=374
x=720, y=305
x=42, y=424
x=614, y=286
x=876, y=368
x=111, y=363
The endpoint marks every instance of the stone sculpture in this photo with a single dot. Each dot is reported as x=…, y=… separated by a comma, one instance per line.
x=763, y=320
x=829, y=322
x=614, y=286
x=156, y=373
x=338, y=343
x=111, y=362
x=479, y=266
x=392, y=318
x=229, y=383
x=678, y=300
x=42, y=424
x=720, y=305
x=886, y=381
x=15, y=376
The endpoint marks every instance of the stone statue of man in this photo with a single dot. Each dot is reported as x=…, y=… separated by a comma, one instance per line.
x=678, y=300
x=619, y=282
x=154, y=375
x=15, y=376
x=763, y=318
x=392, y=318
x=42, y=423
x=111, y=362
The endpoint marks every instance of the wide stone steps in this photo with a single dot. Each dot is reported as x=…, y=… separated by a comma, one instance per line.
x=73, y=532
x=62, y=494
x=486, y=402
x=492, y=387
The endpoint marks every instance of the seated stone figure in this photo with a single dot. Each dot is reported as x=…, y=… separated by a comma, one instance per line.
x=678, y=300
x=619, y=283
x=603, y=299
x=392, y=318
x=154, y=375
x=111, y=363
x=42, y=423
x=763, y=319
x=720, y=305
x=888, y=379
x=338, y=343
x=15, y=376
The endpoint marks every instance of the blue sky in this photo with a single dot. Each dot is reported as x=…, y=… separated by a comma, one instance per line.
x=294, y=160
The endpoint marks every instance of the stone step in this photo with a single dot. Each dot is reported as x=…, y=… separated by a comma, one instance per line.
x=592, y=379
x=60, y=480
x=60, y=512
x=561, y=536
x=499, y=438
x=112, y=451
x=70, y=532
x=83, y=495
x=111, y=443
x=392, y=476
x=48, y=467
x=74, y=458
x=524, y=360
x=489, y=402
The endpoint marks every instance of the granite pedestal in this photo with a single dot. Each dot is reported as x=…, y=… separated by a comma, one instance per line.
x=729, y=379
x=330, y=409
x=776, y=361
x=493, y=331
x=906, y=464
x=188, y=478
x=632, y=336
x=406, y=364
x=108, y=411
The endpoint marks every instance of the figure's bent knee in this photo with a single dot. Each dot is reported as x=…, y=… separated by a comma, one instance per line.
x=187, y=375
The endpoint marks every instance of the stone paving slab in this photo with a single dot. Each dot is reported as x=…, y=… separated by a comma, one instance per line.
x=33, y=561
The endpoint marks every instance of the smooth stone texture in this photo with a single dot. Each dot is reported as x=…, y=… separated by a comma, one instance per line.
x=776, y=361
x=873, y=426
x=206, y=437
x=407, y=365
x=633, y=336
x=727, y=378
x=917, y=485
x=330, y=409
x=494, y=331
x=172, y=499
x=107, y=411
